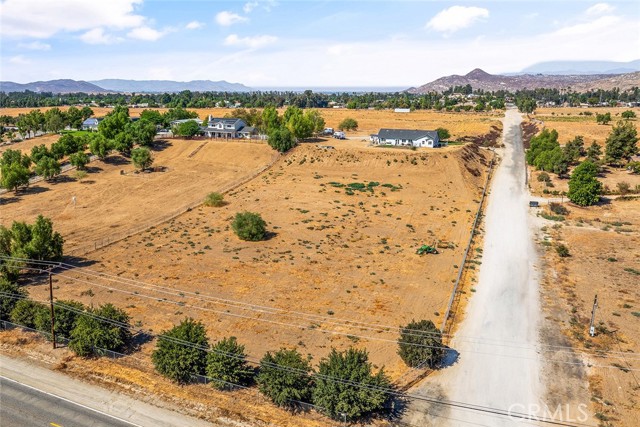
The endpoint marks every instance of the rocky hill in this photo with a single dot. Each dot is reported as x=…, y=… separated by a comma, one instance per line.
x=479, y=79
x=169, y=86
x=54, y=86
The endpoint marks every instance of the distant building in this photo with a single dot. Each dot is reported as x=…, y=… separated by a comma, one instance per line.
x=177, y=122
x=406, y=137
x=402, y=110
x=91, y=123
x=228, y=128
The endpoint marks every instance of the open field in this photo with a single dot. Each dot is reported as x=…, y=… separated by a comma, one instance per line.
x=109, y=203
x=334, y=253
x=604, y=246
x=370, y=121
x=569, y=123
x=610, y=177
x=26, y=145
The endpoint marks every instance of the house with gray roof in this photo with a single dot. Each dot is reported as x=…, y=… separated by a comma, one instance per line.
x=228, y=128
x=406, y=137
x=91, y=123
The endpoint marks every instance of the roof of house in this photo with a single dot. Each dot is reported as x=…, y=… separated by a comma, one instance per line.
x=91, y=121
x=407, y=134
x=175, y=122
x=226, y=121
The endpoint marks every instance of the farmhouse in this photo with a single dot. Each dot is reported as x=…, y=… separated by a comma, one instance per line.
x=91, y=123
x=406, y=137
x=229, y=128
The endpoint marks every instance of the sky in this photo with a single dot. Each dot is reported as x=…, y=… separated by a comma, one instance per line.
x=281, y=43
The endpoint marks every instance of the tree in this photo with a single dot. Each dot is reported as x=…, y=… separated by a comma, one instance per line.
x=114, y=123
x=214, y=200
x=420, y=343
x=79, y=159
x=249, y=226
x=574, y=149
x=38, y=152
x=603, y=119
x=443, y=134
x=281, y=139
x=348, y=124
x=187, y=129
x=66, y=313
x=106, y=328
x=10, y=294
x=270, y=119
x=153, y=116
x=594, y=152
x=54, y=120
x=15, y=156
x=26, y=311
x=621, y=143
x=584, y=188
x=628, y=115
x=181, y=351
x=284, y=378
x=14, y=176
x=345, y=384
x=227, y=363
x=48, y=168
x=141, y=158
x=86, y=112
x=526, y=105
x=74, y=118
x=99, y=146
x=142, y=131
x=123, y=143
x=316, y=121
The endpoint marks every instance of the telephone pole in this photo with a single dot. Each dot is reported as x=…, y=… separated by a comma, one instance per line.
x=592, y=329
x=53, y=317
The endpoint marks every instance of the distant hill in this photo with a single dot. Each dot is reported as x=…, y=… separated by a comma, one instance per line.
x=479, y=79
x=54, y=86
x=582, y=67
x=169, y=86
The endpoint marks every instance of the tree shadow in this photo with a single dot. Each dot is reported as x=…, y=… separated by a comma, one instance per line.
x=138, y=340
x=160, y=145
x=61, y=179
x=93, y=169
x=116, y=160
x=450, y=358
x=269, y=235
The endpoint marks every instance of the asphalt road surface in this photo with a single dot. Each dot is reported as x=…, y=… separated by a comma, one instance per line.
x=24, y=406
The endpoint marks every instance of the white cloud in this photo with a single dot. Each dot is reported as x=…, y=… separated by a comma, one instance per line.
x=456, y=18
x=249, y=6
x=44, y=18
x=250, y=42
x=35, y=45
x=194, y=25
x=98, y=36
x=146, y=33
x=227, y=19
x=600, y=9
x=585, y=28
x=19, y=60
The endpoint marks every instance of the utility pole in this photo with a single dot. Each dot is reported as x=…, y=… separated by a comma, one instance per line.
x=592, y=329
x=53, y=317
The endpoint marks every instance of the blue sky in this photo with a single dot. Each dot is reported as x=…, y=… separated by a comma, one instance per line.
x=305, y=43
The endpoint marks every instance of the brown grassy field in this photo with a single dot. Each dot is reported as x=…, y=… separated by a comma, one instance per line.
x=370, y=121
x=610, y=177
x=331, y=255
x=604, y=245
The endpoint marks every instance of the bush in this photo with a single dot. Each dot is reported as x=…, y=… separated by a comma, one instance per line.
x=544, y=177
x=584, y=188
x=558, y=209
x=66, y=313
x=48, y=167
x=249, y=226
x=106, y=327
x=443, y=134
x=623, y=187
x=345, y=384
x=348, y=124
x=181, y=351
x=141, y=158
x=562, y=250
x=214, y=200
x=10, y=294
x=79, y=159
x=420, y=342
x=281, y=139
x=227, y=362
x=26, y=311
x=284, y=378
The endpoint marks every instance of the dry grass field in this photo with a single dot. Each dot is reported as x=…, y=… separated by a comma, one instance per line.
x=610, y=177
x=604, y=246
x=333, y=254
x=370, y=121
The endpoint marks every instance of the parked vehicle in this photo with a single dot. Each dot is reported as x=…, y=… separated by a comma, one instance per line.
x=327, y=131
x=339, y=135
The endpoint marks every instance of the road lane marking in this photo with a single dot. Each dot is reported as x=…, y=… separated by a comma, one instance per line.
x=54, y=425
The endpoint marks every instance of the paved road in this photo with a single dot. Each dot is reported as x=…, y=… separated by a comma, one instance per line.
x=498, y=366
x=130, y=411
x=24, y=406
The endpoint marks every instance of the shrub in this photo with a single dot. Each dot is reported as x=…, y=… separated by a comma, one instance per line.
x=562, y=250
x=345, y=384
x=66, y=313
x=281, y=139
x=141, y=158
x=420, y=342
x=558, y=209
x=10, y=294
x=544, y=177
x=106, y=327
x=181, y=351
x=26, y=311
x=227, y=362
x=214, y=200
x=623, y=187
x=348, y=124
x=249, y=226
x=284, y=378
x=443, y=134
x=79, y=159
x=584, y=188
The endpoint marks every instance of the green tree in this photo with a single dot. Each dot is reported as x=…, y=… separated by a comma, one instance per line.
x=345, y=384
x=141, y=158
x=526, y=105
x=584, y=187
x=187, y=129
x=26, y=311
x=270, y=119
x=10, y=294
x=142, y=131
x=14, y=176
x=99, y=146
x=594, y=152
x=621, y=143
x=123, y=143
x=106, y=327
x=443, y=134
x=315, y=120
x=48, y=168
x=545, y=141
x=284, y=378
x=66, y=313
x=14, y=156
x=249, y=226
x=114, y=123
x=153, y=116
x=628, y=115
x=348, y=124
x=603, y=119
x=574, y=149
x=55, y=120
x=74, y=118
x=281, y=139
x=38, y=152
x=214, y=199
x=420, y=343
x=86, y=112
x=227, y=362
x=181, y=351
x=79, y=159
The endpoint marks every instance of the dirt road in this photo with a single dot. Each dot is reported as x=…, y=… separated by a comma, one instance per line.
x=497, y=366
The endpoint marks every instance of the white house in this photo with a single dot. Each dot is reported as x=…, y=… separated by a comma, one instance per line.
x=177, y=122
x=91, y=123
x=229, y=128
x=406, y=137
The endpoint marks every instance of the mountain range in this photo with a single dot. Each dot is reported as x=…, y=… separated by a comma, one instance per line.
x=54, y=86
x=581, y=67
x=479, y=79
